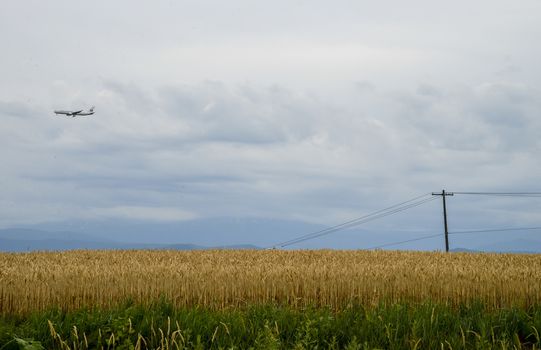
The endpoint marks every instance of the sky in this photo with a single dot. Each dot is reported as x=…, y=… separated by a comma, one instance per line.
x=302, y=111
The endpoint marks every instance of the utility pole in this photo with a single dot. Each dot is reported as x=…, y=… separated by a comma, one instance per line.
x=443, y=194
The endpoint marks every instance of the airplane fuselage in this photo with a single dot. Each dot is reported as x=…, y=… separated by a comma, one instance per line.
x=73, y=114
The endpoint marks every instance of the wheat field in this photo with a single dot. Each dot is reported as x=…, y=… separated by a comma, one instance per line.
x=228, y=278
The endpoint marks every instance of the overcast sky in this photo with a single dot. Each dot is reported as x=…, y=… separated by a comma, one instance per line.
x=316, y=111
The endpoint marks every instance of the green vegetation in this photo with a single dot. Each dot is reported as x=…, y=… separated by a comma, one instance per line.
x=162, y=326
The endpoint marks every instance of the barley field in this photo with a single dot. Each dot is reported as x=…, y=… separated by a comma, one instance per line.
x=222, y=279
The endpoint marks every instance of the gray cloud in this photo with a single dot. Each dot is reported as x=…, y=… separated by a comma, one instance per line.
x=256, y=149
x=316, y=113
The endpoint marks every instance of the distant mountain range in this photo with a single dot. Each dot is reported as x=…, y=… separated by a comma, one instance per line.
x=514, y=246
x=522, y=246
x=213, y=235
x=207, y=232
x=23, y=240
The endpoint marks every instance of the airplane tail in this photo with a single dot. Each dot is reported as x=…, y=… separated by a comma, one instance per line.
x=92, y=109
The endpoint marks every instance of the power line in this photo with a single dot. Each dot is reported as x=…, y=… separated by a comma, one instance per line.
x=496, y=230
x=493, y=194
x=358, y=221
x=411, y=203
x=343, y=227
x=406, y=241
x=453, y=233
x=282, y=244
x=503, y=194
x=364, y=221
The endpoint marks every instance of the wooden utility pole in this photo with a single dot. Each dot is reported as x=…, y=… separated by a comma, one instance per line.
x=443, y=194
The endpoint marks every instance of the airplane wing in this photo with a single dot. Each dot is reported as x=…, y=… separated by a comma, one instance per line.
x=74, y=113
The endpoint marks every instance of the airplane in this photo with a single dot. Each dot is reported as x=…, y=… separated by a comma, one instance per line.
x=74, y=114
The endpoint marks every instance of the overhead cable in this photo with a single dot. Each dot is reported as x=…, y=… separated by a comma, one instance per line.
x=496, y=230
x=503, y=194
x=406, y=241
x=350, y=221
x=414, y=202
x=356, y=223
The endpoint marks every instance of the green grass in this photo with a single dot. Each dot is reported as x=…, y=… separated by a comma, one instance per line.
x=395, y=326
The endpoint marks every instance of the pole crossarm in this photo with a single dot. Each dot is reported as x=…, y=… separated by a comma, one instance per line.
x=443, y=193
